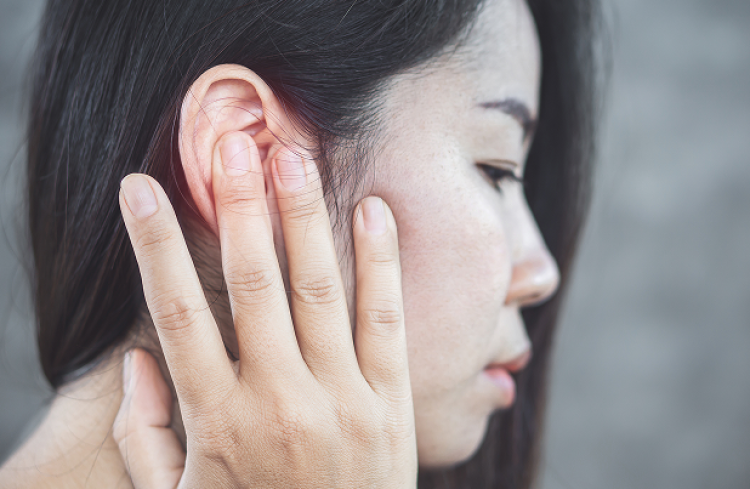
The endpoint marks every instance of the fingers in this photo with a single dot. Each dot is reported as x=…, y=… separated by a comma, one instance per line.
x=380, y=335
x=318, y=300
x=150, y=449
x=192, y=345
x=265, y=334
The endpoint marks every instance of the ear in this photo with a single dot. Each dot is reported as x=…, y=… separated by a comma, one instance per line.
x=224, y=99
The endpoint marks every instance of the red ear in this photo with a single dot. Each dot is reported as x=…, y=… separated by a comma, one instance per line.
x=225, y=98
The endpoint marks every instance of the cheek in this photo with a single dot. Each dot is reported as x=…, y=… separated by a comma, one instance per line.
x=456, y=271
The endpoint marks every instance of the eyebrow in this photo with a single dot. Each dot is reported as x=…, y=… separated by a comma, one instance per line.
x=517, y=110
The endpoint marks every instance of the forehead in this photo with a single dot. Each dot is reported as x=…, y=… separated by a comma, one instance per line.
x=501, y=56
x=498, y=60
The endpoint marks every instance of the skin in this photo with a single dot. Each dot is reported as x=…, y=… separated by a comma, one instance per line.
x=471, y=257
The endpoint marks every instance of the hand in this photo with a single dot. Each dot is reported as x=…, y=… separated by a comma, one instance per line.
x=301, y=408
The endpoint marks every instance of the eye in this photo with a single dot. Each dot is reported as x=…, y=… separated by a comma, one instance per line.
x=497, y=175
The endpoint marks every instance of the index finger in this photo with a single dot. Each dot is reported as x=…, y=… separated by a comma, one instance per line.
x=192, y=344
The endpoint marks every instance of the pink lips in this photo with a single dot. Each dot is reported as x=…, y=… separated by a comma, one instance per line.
x=502, y=379
x=499, y=374
x=516, y=364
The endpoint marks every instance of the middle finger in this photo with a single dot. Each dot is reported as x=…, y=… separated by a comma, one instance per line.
x=265, y=334
x=318, y=299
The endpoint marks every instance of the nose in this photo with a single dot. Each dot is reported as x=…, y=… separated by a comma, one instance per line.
x=534, y=279
x=535, y=276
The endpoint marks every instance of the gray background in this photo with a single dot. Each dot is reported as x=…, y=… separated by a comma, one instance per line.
x=650, y=385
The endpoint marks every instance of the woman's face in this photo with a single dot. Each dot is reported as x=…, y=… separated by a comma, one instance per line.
x=453, y=134
x=471, y=253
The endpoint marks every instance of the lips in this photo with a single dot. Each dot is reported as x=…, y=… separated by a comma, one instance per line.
x=499, y=373
x=513, y=365
x=504, y=383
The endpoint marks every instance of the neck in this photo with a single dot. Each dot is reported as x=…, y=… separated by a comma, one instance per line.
x=73, y=446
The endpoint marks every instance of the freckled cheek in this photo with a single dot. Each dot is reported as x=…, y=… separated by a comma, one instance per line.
x=455, y=277
x=461, y=249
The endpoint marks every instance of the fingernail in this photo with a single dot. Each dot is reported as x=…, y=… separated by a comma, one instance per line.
x=291, y=169
x=374, y=214
x=139, y=196
x=126, y=373
x=235, y=155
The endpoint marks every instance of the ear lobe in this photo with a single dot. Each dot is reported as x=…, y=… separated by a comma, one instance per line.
x=226, y=98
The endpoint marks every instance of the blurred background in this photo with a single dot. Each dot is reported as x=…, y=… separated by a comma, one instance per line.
x=651, y=378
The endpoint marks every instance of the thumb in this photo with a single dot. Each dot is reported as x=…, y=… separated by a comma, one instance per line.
x=153, y=455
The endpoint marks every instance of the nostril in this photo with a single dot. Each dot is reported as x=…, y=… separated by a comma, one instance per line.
x=534, y=299
x=533, y=281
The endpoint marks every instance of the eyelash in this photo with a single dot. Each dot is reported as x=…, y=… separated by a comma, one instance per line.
x=498, y=175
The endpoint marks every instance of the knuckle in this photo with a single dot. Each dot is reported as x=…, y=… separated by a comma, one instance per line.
x=174, y=313
x=221, y=440
x=254, y=280
x=154, y=240
x=317, y=290
x=306, y=212
x=297, y=423
x=383, y=267
x=221, y=426
x=383, y=316
x=292, y=429
x=383, y=258
x=295, y=430
x=240, y=195
x=352, y=424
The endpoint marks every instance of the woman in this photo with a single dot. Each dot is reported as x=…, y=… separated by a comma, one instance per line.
x=465, y=122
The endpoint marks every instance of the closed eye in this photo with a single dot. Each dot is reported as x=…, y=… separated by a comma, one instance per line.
x=497, y=175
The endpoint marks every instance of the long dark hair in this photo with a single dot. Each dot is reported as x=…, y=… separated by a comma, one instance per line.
x=108, y=81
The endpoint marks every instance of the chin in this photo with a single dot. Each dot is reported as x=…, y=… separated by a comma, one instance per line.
x=450, y=447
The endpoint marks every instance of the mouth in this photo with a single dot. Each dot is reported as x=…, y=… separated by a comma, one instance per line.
x=504, y=383
x=515, y=364
x=500, y=375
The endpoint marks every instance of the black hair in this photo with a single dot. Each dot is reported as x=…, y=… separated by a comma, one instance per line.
x=109, y=78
